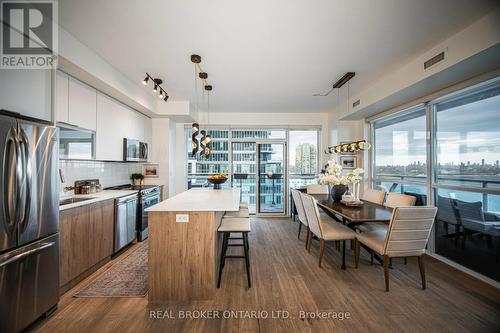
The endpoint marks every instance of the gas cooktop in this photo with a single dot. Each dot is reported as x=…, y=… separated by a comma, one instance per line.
x=143, y=189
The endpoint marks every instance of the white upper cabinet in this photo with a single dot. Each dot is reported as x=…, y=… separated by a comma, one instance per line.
x=27, y=91
x=62, y=97
x=115, y=122
x=82, y=105
x=110, y=129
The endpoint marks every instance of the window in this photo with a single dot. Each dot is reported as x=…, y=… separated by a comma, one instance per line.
x=467, y=135
x=400, y=153
x=465, y=179
x=468, y=139
x=200, y=167
x=303, y=152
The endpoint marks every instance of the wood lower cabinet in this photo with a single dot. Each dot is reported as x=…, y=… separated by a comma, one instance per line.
x=86, y=234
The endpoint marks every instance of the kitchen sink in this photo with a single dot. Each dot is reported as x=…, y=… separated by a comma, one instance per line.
x=72, y=200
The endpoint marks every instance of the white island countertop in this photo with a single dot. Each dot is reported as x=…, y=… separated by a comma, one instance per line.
x=200, y=200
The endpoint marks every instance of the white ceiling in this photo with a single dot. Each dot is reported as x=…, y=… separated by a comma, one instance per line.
x=264, y=55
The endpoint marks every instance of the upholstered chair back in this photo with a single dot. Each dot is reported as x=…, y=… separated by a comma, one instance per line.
x=299, y=206
x=374, y=196
x=312, y=214
x=317, y=189
x=409, y=231
x=394, y=200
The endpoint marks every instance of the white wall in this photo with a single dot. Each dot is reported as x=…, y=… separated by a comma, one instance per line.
x=78, y=60
x=160, y=153
x=470, y=52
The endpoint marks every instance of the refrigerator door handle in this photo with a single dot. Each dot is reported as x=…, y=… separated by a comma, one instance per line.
x=27, y=178
x=28, y=253
x=11, y=188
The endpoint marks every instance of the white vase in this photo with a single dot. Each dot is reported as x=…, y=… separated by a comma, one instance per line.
x=356, y=188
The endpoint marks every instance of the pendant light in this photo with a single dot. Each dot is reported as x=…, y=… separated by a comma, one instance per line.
x=204, y=142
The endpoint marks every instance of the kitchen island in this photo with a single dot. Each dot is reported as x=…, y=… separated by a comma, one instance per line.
x=184, y=245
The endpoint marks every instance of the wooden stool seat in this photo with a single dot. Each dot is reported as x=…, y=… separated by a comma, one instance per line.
x=234, y=225
x=242, y=212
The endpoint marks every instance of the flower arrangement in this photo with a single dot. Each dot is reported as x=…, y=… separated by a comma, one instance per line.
x=355, y=175
x=355, y=178
x=332, y=175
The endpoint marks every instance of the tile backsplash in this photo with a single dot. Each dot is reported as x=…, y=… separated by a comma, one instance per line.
x=109, y=173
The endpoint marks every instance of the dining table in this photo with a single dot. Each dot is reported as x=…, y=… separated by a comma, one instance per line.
x=353, y=216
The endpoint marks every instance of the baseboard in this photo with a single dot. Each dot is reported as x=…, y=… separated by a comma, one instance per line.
x=464, y=269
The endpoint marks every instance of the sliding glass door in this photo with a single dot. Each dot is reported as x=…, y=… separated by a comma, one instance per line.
x=271, y=178
x=244, y=173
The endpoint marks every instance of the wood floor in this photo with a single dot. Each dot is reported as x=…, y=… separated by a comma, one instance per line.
x=287, y=278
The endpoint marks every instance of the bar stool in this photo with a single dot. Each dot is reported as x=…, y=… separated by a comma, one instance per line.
x=241, y=212
x=234, y=225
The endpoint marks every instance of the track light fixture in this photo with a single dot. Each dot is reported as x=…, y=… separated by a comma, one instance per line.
x=156, y=86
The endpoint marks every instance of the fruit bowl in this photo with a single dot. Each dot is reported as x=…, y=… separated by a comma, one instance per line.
x=217, y=180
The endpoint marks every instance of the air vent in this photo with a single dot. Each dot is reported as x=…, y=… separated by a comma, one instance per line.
x=434, y=60
x=356, y=103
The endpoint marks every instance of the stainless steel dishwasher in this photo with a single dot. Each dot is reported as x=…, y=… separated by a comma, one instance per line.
x=125, y=222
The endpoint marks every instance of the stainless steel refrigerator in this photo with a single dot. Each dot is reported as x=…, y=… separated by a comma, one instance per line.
x=29, y=221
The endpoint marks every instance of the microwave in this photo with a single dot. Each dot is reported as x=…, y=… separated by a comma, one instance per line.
x=135, y=150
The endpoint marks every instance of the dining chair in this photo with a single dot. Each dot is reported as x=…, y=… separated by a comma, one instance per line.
x=394, y=200
x=301, y=213
x=317, y=189
x=325, y=228
x=407, y=236
x=375, y=196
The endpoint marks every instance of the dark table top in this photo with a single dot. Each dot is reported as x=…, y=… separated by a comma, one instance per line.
x=368, y=212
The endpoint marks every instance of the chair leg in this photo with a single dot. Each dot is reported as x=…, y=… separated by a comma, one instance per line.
x=247, y=258
x=343, y=255
x=357, y=249
x=457, y=234
x=406, y=260
x=321, y=250
x=371, y=257
x=300, y=228
x=222, y=258
x=422, y=270
x=307, y=236
x=386, y=272
x=309, y=242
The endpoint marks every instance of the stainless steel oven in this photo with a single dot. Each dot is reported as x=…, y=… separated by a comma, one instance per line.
x=135, y=150
x=148, y=198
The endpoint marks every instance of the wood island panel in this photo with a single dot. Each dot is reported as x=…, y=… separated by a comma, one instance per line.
x=183, y=256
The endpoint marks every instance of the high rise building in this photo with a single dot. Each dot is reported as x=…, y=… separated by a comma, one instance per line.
x=306, y=159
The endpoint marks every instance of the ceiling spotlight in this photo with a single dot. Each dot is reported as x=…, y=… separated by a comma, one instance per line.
x=145, y=81
x=161, y=94
x=203, y=75
x=155, y=89
x=166, y=98
x=208, y=87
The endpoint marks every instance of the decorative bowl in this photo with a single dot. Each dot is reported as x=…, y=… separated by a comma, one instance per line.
x=217, y=180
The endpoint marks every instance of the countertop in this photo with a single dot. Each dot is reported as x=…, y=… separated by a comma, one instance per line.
x=96, y=197
x=200, y=200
